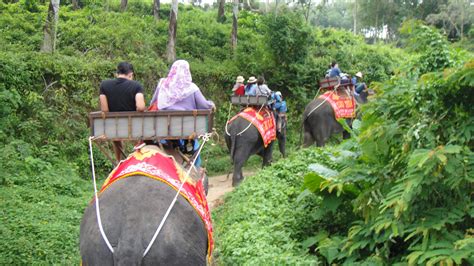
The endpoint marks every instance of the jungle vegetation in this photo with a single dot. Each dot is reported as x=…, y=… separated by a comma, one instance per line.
x=400, y=190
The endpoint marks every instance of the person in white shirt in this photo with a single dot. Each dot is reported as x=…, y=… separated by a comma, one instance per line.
x=262, y=88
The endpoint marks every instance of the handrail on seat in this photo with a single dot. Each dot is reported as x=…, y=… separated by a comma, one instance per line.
x=246, y=100
x=326, y=84
x=154, y=125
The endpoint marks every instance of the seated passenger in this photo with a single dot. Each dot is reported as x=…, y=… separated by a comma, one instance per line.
x=344, y=78
x=262, y=88
x=251, y=88
x=178, y=92
x=239, y=87
x=335, y=71
x=121, y=94
x=328, y=72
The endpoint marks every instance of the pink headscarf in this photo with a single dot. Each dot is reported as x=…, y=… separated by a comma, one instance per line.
x=176, y=87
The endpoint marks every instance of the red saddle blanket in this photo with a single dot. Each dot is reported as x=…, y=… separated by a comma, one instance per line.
x=264, y=121
x=150, y=161
x=342, y=103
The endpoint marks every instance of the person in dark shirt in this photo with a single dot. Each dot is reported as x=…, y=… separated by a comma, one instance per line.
x=121, y=94
x=335, y=71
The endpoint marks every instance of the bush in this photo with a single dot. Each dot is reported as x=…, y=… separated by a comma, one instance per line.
x=46, y=99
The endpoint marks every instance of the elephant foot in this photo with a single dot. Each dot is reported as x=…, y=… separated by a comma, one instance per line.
x=236, y=181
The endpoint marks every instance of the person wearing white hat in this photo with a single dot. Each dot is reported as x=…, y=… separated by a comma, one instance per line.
x=359, y=85
x=239, y=87
x=251, y=88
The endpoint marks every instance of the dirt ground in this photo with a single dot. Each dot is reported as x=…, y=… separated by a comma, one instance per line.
x=218, y=187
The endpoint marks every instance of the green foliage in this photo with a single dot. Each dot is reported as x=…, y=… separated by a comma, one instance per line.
x=46, y=98
x=41, y=202
x=432, y=47
x=398, y=192
x=409, y=182
x=262, y=220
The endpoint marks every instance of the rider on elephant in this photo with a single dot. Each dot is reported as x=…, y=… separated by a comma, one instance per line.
x=251, y=88
x=359, y=85
x=262, y=88
x=280, y=109
x=239, y=87
x=120, y=95
x=336, y=72
x=178, y=92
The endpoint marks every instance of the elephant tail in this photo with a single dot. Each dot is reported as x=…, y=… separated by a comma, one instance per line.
x=233, y=138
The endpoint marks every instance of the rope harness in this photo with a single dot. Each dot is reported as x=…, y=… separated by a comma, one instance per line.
x=325, y=99
x=250, y=123
x=97, y=209
x=204, y=137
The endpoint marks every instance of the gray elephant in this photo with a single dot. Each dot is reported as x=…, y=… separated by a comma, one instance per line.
x=131, y=210
x=249, y=142
x=320, y=124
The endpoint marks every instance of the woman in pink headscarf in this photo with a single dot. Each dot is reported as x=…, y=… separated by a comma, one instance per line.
x=178, y=92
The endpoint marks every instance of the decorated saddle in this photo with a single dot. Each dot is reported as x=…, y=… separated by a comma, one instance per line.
x=264, y=121
x=342, y=102
x=152, y=162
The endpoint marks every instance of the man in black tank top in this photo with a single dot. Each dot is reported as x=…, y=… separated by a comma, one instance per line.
x=121, y=94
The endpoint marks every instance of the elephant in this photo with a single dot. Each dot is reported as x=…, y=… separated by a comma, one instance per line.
x=131, y=210
x=319, y=125
x=249, y=142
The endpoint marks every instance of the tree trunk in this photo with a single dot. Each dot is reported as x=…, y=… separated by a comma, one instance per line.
x=75, y=4
x=221, y=11
x=355, y=16
x=123, y=5
x=267, y=4
x=308, y=10
x=156, y=9
x=235, y=15
x=462, y=21
x=276, y=8
x=173, y=26
x=376, y=25
x=50, y=27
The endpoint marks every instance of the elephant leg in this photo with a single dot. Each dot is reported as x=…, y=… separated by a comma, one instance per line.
x=307, y=139
x=282, y=144
x=240, y=158
x=267, y=155
x=345, y=134
x=320, y=138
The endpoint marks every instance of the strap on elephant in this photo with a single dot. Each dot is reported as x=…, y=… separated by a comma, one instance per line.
x=97, y=209
x=250, y=123
x=319, y=105
x=205, y=138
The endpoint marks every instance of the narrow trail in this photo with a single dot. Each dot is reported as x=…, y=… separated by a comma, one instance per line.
x=218, y=187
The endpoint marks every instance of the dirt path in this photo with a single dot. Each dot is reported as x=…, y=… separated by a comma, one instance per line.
x=218, y=187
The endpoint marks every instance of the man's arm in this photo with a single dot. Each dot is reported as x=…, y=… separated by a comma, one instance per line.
x=140, y=101
x=104, y=105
